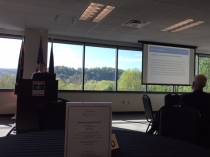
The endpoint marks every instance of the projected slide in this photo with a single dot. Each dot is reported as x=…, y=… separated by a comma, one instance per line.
x=168, y=65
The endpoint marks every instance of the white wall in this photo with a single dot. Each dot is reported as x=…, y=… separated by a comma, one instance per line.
x=8, y=100
x=8, y=103
x=132, y=101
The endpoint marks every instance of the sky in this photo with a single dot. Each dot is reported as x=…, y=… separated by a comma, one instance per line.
x=9, y=53
x=95, y=57
x=71, y=56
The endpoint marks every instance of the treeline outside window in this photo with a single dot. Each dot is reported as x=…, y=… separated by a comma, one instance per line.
x=92, y=67
x=204, y=68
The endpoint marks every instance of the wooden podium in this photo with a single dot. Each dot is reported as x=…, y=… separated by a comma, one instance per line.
x=30, y=94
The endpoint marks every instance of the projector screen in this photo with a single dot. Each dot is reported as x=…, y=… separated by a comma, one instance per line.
x=168, y=65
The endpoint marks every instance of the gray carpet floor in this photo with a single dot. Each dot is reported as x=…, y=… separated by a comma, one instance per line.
x=130, y=121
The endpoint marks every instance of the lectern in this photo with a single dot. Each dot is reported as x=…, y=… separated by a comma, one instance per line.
x=30, y=94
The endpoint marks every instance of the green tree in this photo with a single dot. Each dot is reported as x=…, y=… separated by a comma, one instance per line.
x=130, y=80
x=184, y=89
x=7, y=81
x=159, y=88
x=204, y=68
x=103, y=85
x=61, y=85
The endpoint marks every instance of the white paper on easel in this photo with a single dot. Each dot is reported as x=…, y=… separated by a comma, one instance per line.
x=88, y=129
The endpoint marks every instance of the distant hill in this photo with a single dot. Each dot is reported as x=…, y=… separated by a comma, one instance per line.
x=9, y=71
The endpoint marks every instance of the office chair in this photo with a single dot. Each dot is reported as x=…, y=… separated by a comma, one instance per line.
x=52, y=114
x=204, y=131
x=180, y=122
x=148, y=110
x=171, y=99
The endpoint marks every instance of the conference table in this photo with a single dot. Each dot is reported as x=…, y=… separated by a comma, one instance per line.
x=132, y=144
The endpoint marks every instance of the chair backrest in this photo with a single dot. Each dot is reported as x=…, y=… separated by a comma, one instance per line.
x=180, y=122
x=52, y=114
x=171, y=99
x=204, y=110
x=147, y=107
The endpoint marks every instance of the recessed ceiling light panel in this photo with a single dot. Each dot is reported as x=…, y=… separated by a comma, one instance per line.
x=96, y=12
x=188, y=26
x=177, y=25
x=182, y=25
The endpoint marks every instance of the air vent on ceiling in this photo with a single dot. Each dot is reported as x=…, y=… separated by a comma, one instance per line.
x=136, y=23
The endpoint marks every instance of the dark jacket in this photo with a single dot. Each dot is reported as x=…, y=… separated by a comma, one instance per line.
x=196, y=99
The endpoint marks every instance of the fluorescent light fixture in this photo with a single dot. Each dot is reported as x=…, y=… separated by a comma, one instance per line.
x=188, y=26
x=104, y=13
x=96, y=12
x=177, y=25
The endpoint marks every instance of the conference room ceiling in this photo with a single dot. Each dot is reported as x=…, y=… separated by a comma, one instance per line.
x=41, y=14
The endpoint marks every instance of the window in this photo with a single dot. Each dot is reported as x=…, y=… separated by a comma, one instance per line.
x=68, y=65
x=159, y=88
x=94, y=67
x=9, y=55
x=183, y=89
x=99, y=68
x=129, y=70
x=204, y=68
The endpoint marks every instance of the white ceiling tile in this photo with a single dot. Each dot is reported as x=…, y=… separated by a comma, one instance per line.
x=204, y=4
x=85, y=24
x=190, y=13
x=169, y=20
x=13, y=24
x=98, y=32
x=114, y=21
x=39, y=9
x=75, y=34
x=93, y=36
x=125, y=29
x=138, y=4
x=36, y=25
x=62, y=20
x=191, y=31
x=73, y=5
x=12, y=14
x=38, y=17
x=204, y=27
x=57, y=32
x=115, y=3
x=105, y=27
x=12, y=6
x=50, y=3
x=79, y=29
x=67, y=13
x=164, y=8
x=147, y=16
x=180, y=2
x=56, y=26
x=113, y=33
x=40, y=14
x=157, y=11
x=124, y=13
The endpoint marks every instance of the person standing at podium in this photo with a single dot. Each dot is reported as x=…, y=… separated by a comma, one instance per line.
x=41, y=69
